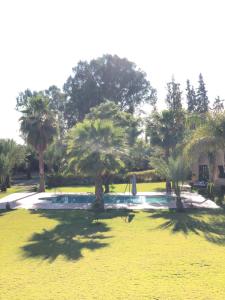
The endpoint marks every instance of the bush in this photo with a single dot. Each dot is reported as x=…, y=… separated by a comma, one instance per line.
x=214, y=193
x=70, y=180
x=3, y=188
x=60, y=180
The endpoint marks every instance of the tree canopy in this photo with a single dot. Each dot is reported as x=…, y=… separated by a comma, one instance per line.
x=165, y=130
x=108, y=110
x=96, y=147
x=108, y=77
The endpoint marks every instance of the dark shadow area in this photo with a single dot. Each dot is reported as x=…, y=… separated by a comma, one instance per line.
x=3, y=212
x=24, y=182
x=127, y=215
x=208, y=223
x=159, y=190
x=76, y=230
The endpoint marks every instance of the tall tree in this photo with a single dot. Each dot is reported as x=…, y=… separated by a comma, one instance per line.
x=218, y=105
x=57, y=105
x=95, y=148
x=165, y=130
x=38, y=127
x=108, y=110
x=191, y=98
x=201, y=96
x=173, y=98
x=108, y=77
x=56, y=158
x=11, y=154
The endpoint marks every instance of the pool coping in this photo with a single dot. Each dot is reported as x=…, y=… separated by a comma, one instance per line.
x=34, y=201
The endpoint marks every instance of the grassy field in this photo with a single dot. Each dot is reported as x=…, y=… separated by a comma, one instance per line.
x=117, y=188
x=126, y=255
x=13, y=189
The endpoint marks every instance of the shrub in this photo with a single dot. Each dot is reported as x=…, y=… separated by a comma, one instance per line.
x=62, y=180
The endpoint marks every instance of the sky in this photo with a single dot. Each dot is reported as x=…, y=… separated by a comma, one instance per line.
x=42, y=40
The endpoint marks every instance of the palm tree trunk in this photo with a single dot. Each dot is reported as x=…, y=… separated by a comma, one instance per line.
x=106, y=181
x=179, y=203
x=212, y=167
x=99, y=203
x=214, y=172
x=7, y=181
x=41, y=171
x=106, y=188
x=167, y=154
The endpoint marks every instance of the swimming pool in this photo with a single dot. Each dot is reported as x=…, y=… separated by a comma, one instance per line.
x=112, y=199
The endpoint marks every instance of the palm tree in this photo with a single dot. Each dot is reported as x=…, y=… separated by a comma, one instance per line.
x=173, y=170
x=38, y=128
x=96, y=147
x=207, y=139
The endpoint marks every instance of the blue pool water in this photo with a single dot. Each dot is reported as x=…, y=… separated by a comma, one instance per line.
x=113, y=199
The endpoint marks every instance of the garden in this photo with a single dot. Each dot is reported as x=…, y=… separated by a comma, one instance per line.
x=93, y=136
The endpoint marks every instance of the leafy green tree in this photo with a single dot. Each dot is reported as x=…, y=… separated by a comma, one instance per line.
x=173, y=98
x=22, y=101
x=165, y=130
x=191, y=98
x=29, y=164
x=56, y=158
x=174, y=170
x=4, y=170
x=11, y=154
x=31, y=161
x=38, y=127
x=57, y=106
x=108, y=77
x=201, y=97
x=108, y=110
x=96, y=147
x=139, y=155
x=218, y=105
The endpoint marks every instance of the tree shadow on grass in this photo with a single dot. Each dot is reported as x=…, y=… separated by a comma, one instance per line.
x=159, y=189
x=4, y=212
x=127, y=215
x=77, y=230
x=208, y=223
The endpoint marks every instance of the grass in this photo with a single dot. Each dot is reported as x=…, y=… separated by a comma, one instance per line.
x=125, y=255
x=117, y=188
x=13, y=189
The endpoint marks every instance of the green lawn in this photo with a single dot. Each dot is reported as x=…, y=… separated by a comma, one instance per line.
x=136, y=255
x=117, y=188
x=13, y=189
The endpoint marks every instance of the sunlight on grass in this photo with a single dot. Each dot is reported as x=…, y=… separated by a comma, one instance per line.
x=13, y=189
x=116, y=188
x=125, y=255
